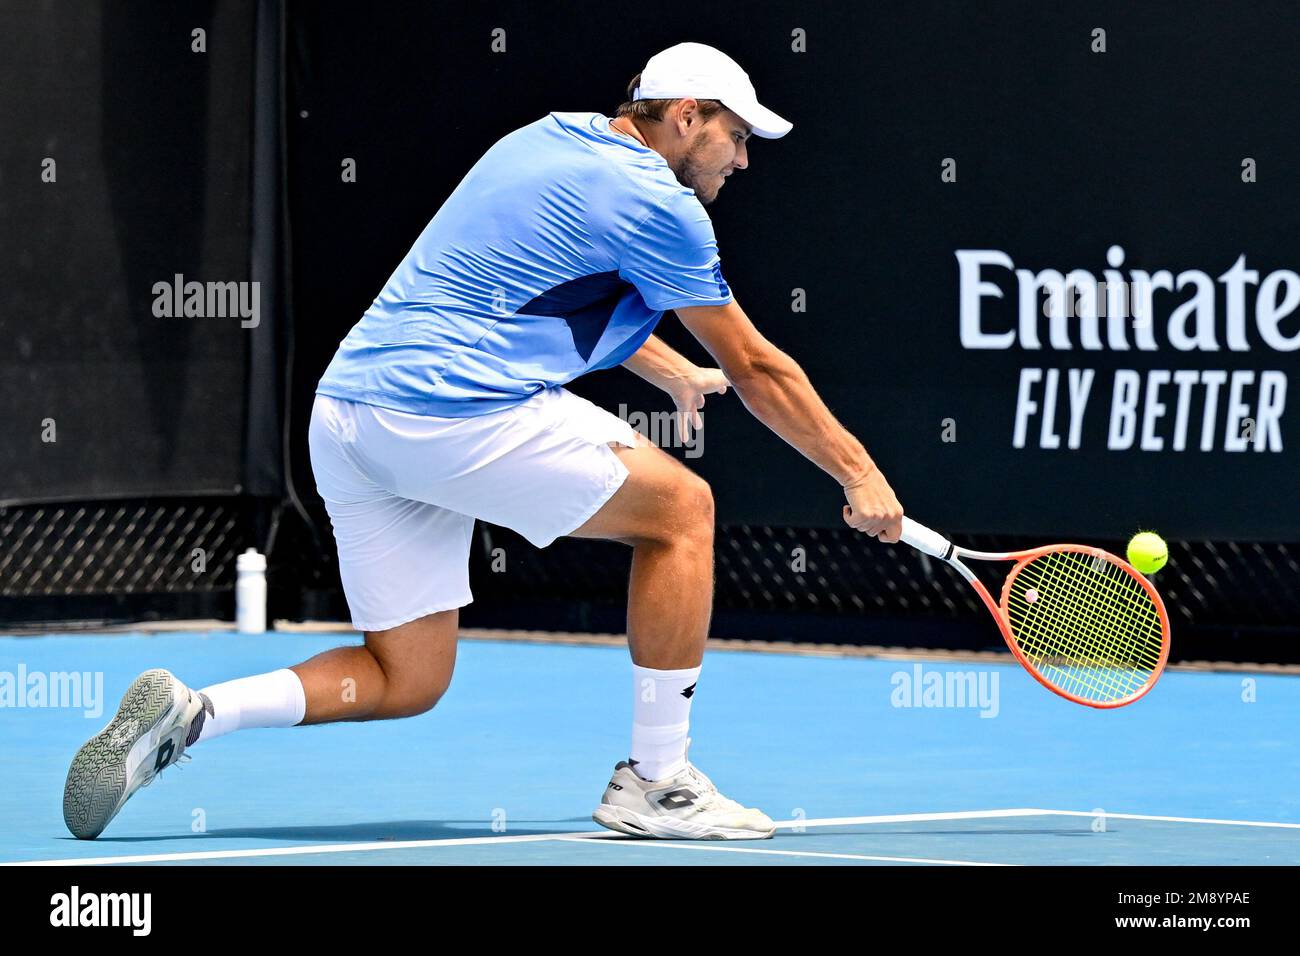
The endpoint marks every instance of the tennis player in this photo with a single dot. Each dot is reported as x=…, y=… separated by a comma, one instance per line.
x=556, y=255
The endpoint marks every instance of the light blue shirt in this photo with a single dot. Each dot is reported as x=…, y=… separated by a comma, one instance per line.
x=556, y=255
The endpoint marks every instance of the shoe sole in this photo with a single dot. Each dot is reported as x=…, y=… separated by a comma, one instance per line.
x=622, y=820
x=97, y=783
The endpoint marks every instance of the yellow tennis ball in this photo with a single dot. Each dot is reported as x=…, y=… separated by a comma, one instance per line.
x=1148, y=552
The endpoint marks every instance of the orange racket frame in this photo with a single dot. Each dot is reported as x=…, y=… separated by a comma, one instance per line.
x=936, y=545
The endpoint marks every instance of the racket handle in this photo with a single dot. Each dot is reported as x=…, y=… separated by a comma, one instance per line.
x=923, y=539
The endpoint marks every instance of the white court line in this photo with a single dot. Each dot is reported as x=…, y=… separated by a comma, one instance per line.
x=714, y=848
x=1144, y=816
x=1027, y=812
x=602, y=834
x=911, y=818
x=297, y=850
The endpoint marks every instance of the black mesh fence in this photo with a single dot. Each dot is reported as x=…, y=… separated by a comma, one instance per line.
x=119, y=547
x=159, y=558
x=1226, y=600
x=117, y=561
x=840, y=572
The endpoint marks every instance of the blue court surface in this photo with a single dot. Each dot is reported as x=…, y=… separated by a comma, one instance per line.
x=507, y=768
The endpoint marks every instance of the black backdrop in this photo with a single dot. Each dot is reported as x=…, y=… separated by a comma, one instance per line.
x=168, y=160
x=1061, y=153
x=151, y=142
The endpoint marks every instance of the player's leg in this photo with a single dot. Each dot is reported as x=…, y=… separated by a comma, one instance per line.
x=665, y=512
x=404, y=567
x=405, y=571
x=399, y=672
x=553, y=466
x=563, y=466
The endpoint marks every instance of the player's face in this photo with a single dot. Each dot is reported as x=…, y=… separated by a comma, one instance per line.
x=714, y=152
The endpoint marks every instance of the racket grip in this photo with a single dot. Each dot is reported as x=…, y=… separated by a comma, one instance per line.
x=923, y=539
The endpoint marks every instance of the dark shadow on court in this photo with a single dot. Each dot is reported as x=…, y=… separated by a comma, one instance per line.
x=395, y=830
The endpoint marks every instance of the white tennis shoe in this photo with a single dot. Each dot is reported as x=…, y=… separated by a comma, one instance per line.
x=686, y=806
x=158, y=718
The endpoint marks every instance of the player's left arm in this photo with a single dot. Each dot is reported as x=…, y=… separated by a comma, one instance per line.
x=687, y=383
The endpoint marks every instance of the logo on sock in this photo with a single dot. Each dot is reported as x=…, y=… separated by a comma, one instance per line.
x=689, y=692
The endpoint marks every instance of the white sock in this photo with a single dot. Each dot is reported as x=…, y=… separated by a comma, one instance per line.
x=266, y=700
x=661, y=715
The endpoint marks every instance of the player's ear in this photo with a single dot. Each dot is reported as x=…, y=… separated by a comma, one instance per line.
x=690, y=114
x=682, y=116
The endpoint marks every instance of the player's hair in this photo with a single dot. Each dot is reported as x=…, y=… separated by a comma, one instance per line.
x=652, y=111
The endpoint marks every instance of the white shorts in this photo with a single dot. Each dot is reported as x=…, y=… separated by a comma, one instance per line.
x=403, y=491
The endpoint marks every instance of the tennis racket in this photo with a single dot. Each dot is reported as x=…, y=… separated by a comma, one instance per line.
x=1083, y=622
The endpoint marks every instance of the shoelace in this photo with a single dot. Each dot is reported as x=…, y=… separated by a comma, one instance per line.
x=709, y=795
x=183, y=758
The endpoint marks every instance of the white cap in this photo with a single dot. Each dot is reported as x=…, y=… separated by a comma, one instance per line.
x=697, y=71
x=250, y=560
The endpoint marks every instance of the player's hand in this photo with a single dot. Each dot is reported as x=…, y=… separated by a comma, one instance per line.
x=688, y=395
x=873, y=508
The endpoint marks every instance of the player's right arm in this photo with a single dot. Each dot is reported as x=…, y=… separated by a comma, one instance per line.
x=776, y=390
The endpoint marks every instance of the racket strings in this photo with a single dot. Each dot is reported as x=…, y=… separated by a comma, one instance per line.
x=1102, y=662
x=1108, y=637
x=1084, y=652
x=1090, y=663
x=1089, y=627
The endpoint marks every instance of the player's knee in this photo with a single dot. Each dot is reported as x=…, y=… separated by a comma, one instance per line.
x=409, y=698
x=693, y=510
x=412, y=703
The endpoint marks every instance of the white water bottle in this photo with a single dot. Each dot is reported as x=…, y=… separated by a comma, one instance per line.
x=250, y=592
